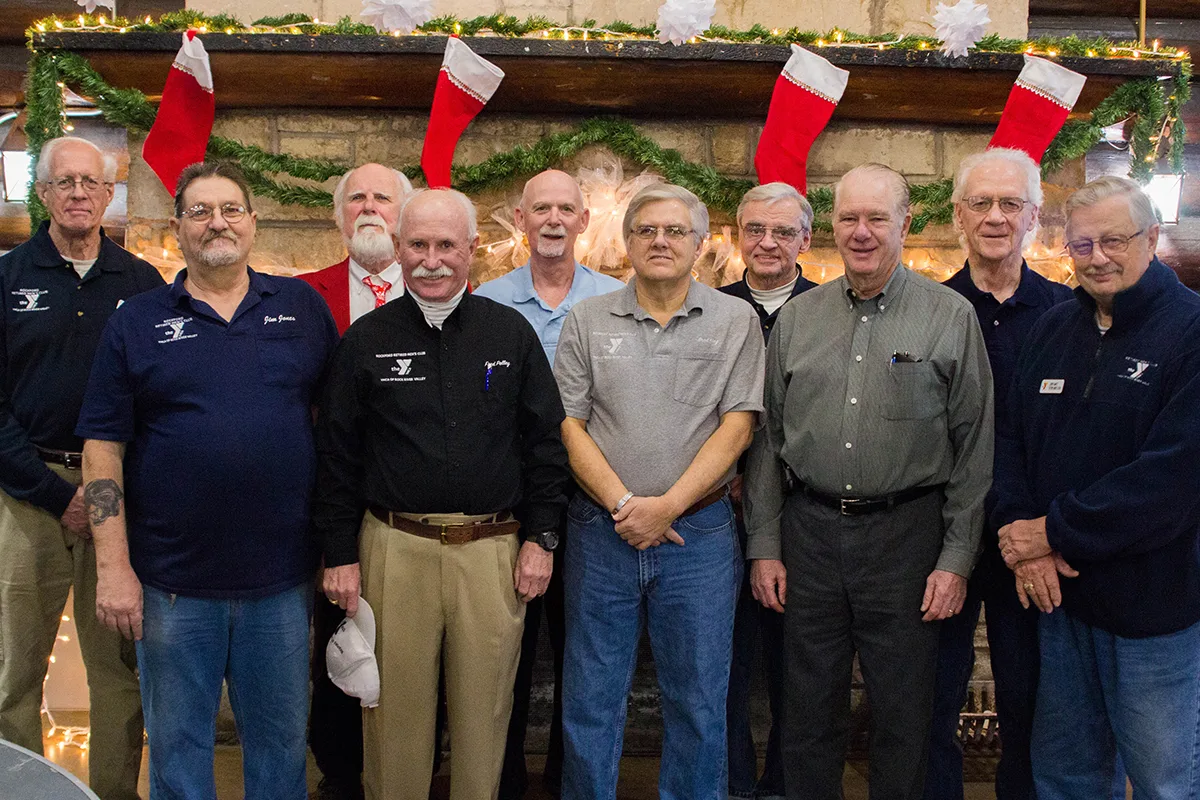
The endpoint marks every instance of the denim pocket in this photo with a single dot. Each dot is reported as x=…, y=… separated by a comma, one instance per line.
x=712, y=519
x=582, y=510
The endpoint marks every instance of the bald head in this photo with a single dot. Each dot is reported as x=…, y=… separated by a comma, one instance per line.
x=552, y=215
x=435, y=243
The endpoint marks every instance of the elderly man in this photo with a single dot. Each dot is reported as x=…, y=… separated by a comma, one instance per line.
x=61, y=286
x=366, y=205
x=1097, y=477
x=879, y=413
x=997, y=194
x=774, y=228
x=198, y=410
x=552, y=215
x=662, y=385
x=440, y=416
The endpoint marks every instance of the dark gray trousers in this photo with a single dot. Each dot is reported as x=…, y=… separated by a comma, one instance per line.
x=856, y=584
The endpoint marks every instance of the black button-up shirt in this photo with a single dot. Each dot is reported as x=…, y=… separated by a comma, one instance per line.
x=49, y=328
x=465, y=419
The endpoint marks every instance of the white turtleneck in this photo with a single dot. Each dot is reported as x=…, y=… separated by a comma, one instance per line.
x=436, y=313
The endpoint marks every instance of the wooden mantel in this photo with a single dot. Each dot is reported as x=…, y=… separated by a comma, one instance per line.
x=543, y=76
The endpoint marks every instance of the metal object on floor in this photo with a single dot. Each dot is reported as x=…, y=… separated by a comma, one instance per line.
x=28, y=776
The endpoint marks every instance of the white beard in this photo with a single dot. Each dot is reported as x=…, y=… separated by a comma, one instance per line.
x=369, y=247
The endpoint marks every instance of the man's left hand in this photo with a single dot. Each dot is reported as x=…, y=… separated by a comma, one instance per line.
x=646, y=522
x=1022, y=540
x=944, y=595
x=531, y=576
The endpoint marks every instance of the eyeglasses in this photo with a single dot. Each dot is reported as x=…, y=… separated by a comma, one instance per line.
x=674, y=233
x=1009, y=206
x=230, y=212
x=784, y=235
x=1112, y=244
x=66, y=184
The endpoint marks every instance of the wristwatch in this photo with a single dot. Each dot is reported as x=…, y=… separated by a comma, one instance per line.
x=547, y=540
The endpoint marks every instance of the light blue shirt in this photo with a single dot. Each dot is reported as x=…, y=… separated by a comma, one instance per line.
x=515, y=290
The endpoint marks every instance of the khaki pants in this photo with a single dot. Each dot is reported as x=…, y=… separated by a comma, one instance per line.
x=39, y=561
x=433, y=600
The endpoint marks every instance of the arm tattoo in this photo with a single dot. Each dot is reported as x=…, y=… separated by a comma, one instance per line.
x=102, y=498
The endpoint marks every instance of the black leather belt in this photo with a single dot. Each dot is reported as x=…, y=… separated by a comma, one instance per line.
x=65, y=458
x=857, y=506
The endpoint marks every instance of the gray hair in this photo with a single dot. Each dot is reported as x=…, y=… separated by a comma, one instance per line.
x=462, y=199
x=211, y=169
x=899, y=186
x=1141, y=207
x=403, y=187
x=659, y=192
x=49, y=148
x=1002, y=155
x=776, y=192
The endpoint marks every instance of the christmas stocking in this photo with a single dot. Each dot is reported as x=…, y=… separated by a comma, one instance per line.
x=464, y=86
x=1037, y=107
x=806, y=92
x=184, y=122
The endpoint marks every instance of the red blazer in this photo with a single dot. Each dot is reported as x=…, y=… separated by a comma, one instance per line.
x=333, y=284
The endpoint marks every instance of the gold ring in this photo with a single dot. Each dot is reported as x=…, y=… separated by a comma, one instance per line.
x=335, y=602
x=1029, y=587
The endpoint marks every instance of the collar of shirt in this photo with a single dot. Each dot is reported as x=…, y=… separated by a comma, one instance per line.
x=1133, y=304
x=406, y=304
x=259, y=287
x=891, y=290
x=46, y=255
x=1026, y=292
x=627, y=305
x=392, y=274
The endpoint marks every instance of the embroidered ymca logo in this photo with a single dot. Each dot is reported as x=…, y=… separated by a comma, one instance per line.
x=613, y=346
x=402, y=372
x=175, y=330
x=403, y=365
x=1137, y=370
x=29, y=300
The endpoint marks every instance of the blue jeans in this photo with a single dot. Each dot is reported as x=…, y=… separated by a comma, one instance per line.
x=686, y=596
x=260, y=648
x=1101, y=695
x=754, y=625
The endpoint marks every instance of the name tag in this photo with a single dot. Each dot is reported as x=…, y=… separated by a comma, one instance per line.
x=1052, y=386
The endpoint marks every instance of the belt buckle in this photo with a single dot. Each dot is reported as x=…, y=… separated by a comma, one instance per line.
x=845, y=508
x=442, y=533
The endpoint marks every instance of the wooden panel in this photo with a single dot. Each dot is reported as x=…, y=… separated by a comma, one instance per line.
x=584, y=78
x=1090, y=8
x=18, y=15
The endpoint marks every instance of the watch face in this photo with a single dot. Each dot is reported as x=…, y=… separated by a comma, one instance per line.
x=548, y=540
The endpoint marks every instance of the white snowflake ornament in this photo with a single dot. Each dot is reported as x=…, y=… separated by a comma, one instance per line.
x=680, y=20
x=397, y=15
x=960, y=26
x=90, y=6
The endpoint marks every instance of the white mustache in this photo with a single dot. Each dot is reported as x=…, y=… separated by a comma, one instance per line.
x=554, y=230
x=370, y=219
x=440, y=272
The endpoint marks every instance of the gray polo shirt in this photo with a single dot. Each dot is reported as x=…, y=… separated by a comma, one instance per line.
x=653, y=395
x=872, y=397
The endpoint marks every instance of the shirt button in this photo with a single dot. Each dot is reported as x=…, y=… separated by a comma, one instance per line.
x=858, y=358
x=453, y=424
x=864, y=317
x=658, y=330
x=848, y=487
x=79, y=313
x=848, y=445
x=995, y=322
x=853, y=401
x=882, y=306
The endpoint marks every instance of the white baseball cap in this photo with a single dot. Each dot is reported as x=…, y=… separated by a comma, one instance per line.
x=350, y=656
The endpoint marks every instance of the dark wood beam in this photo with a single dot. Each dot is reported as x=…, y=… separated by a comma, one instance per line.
x=1090, y=8
x=18, y=15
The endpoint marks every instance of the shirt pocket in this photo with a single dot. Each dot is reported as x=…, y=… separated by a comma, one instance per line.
x=913, y=391
x=699, y=379
x=284, y=358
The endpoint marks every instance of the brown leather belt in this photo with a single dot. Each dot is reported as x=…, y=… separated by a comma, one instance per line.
x=65, y=458
x=708, y=499
x=502, y=524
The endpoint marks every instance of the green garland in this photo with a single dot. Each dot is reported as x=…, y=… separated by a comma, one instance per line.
x=1144, y=99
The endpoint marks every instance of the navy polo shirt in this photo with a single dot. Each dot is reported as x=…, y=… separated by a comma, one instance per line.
x=50, y=325
x=1005, y=327
x=217, y=417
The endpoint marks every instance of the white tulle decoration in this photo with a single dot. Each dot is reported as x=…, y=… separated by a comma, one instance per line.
x=91, y=5
x=404, y=16
x=680, y=20
x=960, y=26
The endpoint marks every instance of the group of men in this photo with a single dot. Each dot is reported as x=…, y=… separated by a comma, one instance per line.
x=557, y=443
